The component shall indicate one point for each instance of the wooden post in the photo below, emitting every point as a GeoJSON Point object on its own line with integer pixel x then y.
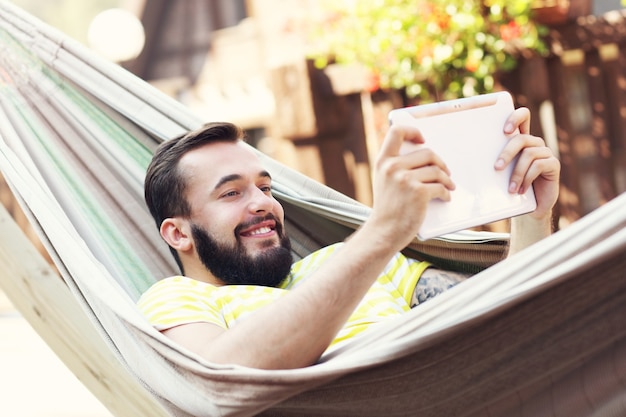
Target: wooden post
{"type": "Point", "coordinates": [615, 68]}
{"type": "Point", "coordinates": [569, 197]}
{"type": "Point", "coordinates": [600, 152]}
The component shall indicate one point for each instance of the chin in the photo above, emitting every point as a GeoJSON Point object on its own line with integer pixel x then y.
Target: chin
{"type": "Point", "coordinates": [266, 244]}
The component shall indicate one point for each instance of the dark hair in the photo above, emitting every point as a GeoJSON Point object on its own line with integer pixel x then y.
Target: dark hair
{"type": "Point", "coordinates": [165, 186]}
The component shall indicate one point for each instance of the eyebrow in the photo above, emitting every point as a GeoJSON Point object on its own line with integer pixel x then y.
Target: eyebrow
{"type": "Point", "coordinates": [235, 177]}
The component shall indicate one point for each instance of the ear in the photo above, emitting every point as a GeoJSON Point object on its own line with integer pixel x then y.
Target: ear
{"type": "Point", "coordinates": [175, 231]}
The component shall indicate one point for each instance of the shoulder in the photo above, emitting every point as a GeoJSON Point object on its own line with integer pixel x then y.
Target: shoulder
{"type": "Point", "coordinates": [179, 300]}
{"type": "Point", "coordinates": [175, 284]}
{"type": "Point", "coordinates": [176, 289]}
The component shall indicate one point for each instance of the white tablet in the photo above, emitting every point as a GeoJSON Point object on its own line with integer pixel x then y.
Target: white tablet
{"type": "Point", "coordinates": [468, 135]}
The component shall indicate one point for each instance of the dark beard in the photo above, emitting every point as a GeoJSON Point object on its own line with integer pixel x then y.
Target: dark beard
{"type": "Point", "coordinates": [234, 266]}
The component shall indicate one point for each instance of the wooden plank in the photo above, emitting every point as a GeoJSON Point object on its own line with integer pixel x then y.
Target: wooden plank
{"type": "Point", "coordinates": [557, 12]}
{"type": "Point", "coordinates": [569, 201]}
{"type": "Point", "coordinates": [599, 151]}
{"type": "Point", "coordinates": [530, 87]}
{"type": "Point", "coordinates": [550, 12]}
{"type": "Point", "coordinates": [47, 304]}
{"type": "Point", "coordinates": [615, 82]}
{"type": "Point", "coordinates": [579, 8]}
{"type": "Point", "coordinates": [306, 105]}
{"type": "Point", "coordinates": [295, 115]}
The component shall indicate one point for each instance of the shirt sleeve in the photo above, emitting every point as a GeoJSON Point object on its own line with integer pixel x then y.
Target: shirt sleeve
{"type": "Point", "coordinates": [404, 273]}
{"type": "Point", "coordinates": [178, 300]}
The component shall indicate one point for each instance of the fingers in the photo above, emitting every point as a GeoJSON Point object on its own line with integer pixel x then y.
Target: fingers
{"type": "Point", "coordinates": [514, 147]}
{"type": "Point", "coordinates": [407, 140]}
{"type": "Point", "coordinates": [534, 159]}
{"type": "Point", "coordinates": [396, 137]}
{"type": "Point", "coordinates": [417, 156]}
{"type": "Point", "coordinates": [533, 162]}
{"type": "Point", "coordinates": [421, 165]}
{"type": "Point", "coordinates": [402, 151]}
{"type": "Point", "coordinates": [428, 179]}
{"type": "Point", "coordinates": [409, 173]}
{"type": "Point", "coordinates": [520, 118]}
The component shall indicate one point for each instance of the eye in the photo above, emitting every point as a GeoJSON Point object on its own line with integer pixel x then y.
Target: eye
{"type": "Point", "coordinates": [232, 193]}
{"type": "Point", "coordinates": [267, 189]}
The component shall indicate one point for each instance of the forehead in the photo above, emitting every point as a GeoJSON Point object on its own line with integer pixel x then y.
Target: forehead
{"type": "Point", "coordinates": [211, 162]}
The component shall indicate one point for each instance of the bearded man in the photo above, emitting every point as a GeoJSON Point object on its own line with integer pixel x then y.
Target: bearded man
{"type": "Point", "coordinates": [239, 298]}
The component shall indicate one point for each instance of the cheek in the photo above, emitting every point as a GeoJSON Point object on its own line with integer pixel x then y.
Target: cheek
{"type": "Point", "coordinates": [219, 224]}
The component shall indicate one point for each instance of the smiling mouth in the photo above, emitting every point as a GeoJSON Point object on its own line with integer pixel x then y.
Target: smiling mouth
{"type": "Point", "coordinates": [262, 228]}
{"type": "Point", "coordinates": [260, 231]}
{"type": "Point", "coordinates": [266, 226]}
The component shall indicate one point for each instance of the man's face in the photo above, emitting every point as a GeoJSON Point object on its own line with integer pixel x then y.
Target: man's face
{"type": "Point", "coordinates": [236, 224]}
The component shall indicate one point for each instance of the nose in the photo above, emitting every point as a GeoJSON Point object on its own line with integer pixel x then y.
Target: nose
{"type": "Point", "coordinates": [259, 201]}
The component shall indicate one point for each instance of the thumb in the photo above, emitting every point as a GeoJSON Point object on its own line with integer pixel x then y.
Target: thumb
{"type": "Point", "coordinates": [396, 136]}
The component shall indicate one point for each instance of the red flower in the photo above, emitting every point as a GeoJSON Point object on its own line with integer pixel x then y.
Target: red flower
{"type": "Point", "coordinates": [510, 31]}
{"type": "Point", "coordinates": [372, 82]}
{"type": "Point", "coordinates": [471, 64]}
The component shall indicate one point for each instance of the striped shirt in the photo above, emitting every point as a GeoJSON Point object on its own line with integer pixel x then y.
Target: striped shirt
{"type": "Point", "coordinates": [180, 300]}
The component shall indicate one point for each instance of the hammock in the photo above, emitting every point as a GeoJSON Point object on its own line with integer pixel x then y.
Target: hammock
{"type": "Point", "coordinates": [540, 333]}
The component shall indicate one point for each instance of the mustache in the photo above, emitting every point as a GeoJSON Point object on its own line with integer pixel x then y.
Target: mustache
{"type": "Point", "coordinates": [260, 219]}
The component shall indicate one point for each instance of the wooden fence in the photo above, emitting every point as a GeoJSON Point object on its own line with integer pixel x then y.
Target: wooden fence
{"type": "Point", "coordinates": [584, 80]}
{"type": "Point", "coordinates": [577, 96]}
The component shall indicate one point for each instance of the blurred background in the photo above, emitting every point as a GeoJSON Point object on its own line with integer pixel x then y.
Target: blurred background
{"type": "Point", "coordinates": [312, 83]}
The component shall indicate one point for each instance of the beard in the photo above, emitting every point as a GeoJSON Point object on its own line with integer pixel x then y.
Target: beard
{"type": "Point", "coordinates": [234, 266]}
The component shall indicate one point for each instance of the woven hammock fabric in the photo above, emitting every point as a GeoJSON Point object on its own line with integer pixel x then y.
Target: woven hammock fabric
{"type": "Point", "coordinates": [538, 334]}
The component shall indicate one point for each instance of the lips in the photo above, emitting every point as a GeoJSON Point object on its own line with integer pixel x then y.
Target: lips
{"type": "Point", "coordinates": [262, 229]}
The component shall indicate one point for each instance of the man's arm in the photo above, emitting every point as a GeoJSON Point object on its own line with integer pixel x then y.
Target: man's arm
{"type": "Point", "coordinates": [527, 230]}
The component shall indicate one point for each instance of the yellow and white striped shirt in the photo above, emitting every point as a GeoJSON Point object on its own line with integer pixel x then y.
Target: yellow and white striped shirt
{"type": "Point", "coordinates": [180, 300]}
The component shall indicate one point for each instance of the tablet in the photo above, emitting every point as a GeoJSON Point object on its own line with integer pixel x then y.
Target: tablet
{"type": "Point", "coordinates": [468, 135]}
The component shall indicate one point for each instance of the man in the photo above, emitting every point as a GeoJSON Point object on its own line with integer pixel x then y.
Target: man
{"type": "Point", "coordinates": [239, 300]}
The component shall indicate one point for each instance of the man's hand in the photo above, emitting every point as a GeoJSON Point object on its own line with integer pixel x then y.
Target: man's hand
{"type": "Point", "coordinates": [536, 166]}
{"type": "Point", "coordinates": [404, 184]}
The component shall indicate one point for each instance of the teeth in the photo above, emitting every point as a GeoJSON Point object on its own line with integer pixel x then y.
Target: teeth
{"type": "Point", "coordinates": [261, 231]}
